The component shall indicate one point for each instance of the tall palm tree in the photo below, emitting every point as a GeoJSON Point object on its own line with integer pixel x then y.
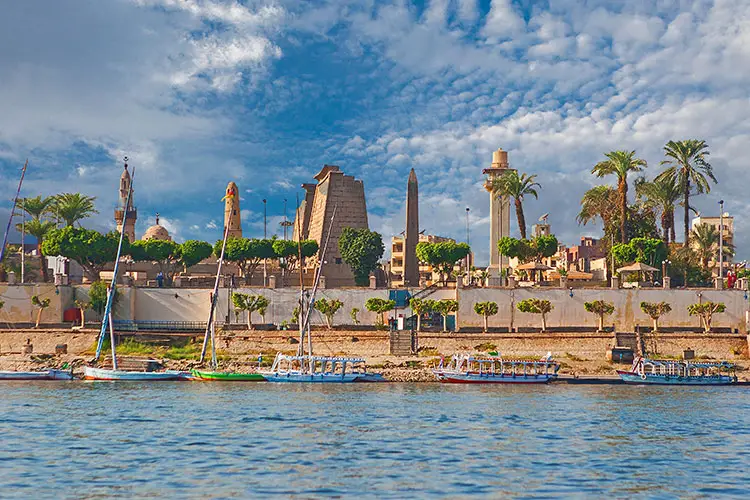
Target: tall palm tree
{"type": "Point", "coordinates": [706, 244]}
{"type": "Point", "coordinates": [688, 168]}
{"type": "Point", "coordinates": [38, 207]}
{"type": "Point", "coordinates": [517, 187]}
{"type": "Point", "coordinates": [620, 163]}
{"type": "Point", "coordinates": [72, 207]}
{"type": "Point", "coordinates": [38, 229]}
{"type": "Point", "coordinates": [599, 202]}
{"type": "Point", "coordinates": [661, 195]}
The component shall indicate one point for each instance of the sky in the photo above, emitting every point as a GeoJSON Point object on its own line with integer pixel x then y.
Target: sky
{"type": "Point", "coordinates": [198, 93]}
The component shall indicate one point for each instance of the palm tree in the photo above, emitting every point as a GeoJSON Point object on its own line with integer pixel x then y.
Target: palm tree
{"type": "Point", "coordinates": [706, 244]}
{"type": "Point", "coordinates": [661, 195]}
{"type": "Point", "coordinates": [38, 207]}
{"type": "Point", "coordinates": [620, 163]}
{"type": "Point", "coordinates": [517, 187]}
{"type": "Point", "coordinates": [72, 207]}
{"type": "Point", "coordinates": [688, 167]}
{"type": "Point", "coordinates": [38, 229]}
{"type": "Point", "coordinates": [598, 202]}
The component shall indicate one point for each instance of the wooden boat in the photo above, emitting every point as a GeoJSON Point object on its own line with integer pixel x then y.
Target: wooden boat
{"type": "Point", "coordinates": [469, 369]}
{"type": "Point", "coordinates": [306, 368]}
{"type": "Point", "coordinates": [52, 374]}
{"type": "Point", "coordinates": [675, 372]}
{"type": "Point", "coordinates": [91, 373]}
{"type": "Point", "coordinates": [218, 376]}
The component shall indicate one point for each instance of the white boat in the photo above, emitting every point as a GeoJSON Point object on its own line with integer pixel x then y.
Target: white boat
{"type": "Point", "coordinates": [91, 373]}
{"type": "Point", "coordinates": [52, 374]}
{"type": "Point", "coordinates": [469, 369]}
{"type": "Point", "coordinates": [675, 372]}
{"type": "Point", "coordinates": [307, 368]}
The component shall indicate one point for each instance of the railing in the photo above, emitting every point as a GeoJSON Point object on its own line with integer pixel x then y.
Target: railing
{"type": "Point", "coordinates": [159, 326]}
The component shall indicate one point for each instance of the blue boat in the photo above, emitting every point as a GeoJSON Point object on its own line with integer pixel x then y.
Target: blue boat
{"type": "Point", "coordinates": [320, 369]}
{"type": "Point", "coordinates": [646, 371]}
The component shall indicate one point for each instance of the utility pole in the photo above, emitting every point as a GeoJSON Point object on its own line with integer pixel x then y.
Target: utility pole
{"type": "Point", "coordinates": [286, 223]}
{"type": "Point", "coordinates": [721, 244]}
{"type": "Point", "coordinates": [23, 233]}
{"type": "Point", "coordinates": [265, 261]}
{"type": "Point", "coordinates": [468, 257]}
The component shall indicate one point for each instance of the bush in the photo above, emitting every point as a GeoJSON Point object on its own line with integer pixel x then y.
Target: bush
{"type": "Point", "coordinates": [536, 306]}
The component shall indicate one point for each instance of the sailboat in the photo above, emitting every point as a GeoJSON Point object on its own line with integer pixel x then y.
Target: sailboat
{"type": "Point", "coordinates": [214, 375]}
{"type": "Point", "coordinates": [306, 367]}
{"type": "Point", "coordinates": [94, 373]}
{"type": "Point", "coordinates": [49, 374]}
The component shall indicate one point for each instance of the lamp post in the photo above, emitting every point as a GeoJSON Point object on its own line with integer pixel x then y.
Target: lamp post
{"type": "Point", "coordinates": [721, 244]}
{"type": "Point", "coordinates": [265, 261]}
{"type": "Point", "coordinates": [468, 257]}
{"type": "Point", "coordinates": [23, 242]}
{"type": "Point", "coordinates": [665, 280]}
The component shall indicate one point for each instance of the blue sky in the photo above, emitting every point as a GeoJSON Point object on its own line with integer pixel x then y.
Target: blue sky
{"type": "Point", "coordinates": [201, 92]}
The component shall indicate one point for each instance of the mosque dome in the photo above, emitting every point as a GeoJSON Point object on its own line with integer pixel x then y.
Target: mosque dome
{"type": "Point", "coordinates": [157, 232]}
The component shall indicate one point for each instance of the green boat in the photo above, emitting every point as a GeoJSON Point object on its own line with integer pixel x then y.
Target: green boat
{"type": "Point", "coordinates": [213, 376]}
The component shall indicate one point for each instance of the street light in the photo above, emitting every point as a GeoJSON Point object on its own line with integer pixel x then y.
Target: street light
{"type": "Point", "coordinates": [468, 258]}
{"type": "Point", "coordinates": [265, 226]}
{"type": "Point", "coordinates": [721, 243]}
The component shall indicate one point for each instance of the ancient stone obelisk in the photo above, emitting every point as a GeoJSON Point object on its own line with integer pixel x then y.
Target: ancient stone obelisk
{"type": "Point", "coordinates": [411, 235]}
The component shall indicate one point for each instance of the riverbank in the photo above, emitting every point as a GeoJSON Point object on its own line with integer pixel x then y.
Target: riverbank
{"type": "Point", "coordinates": [582, 356]}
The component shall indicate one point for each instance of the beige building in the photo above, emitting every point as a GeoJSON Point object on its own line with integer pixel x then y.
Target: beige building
{"type": "Point", "coordinates": [427, 276]}
{"type": "Point", "coordinates": [315, 220]}
{"type": "Point", "coordinates": [499, 210]}
{"type": "Point", "coordinates": [126, 213]}
{"type": "Point", "coordinates": [728, 235]}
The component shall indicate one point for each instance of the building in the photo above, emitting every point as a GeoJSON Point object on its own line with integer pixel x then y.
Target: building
{"type": "Point", "coordinates": [232, 211]}
{"type": "Point", "coordinates": [499, 211]}
{"type": "Point", "coordinates": [335, 202]}
{"type": "Point", "coordinates": [580, 257]}
{"type": "Point", "coordinates": [125, 212]}
{"type": "Point", "coordinates": [157, 232]}
{"type": "Point", "coordinates": [728, 237]}
{"type": "Point", "coordinates": [427, 276]}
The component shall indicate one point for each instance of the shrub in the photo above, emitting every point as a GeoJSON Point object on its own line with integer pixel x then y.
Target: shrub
{"type": "Point", "coordinates": [486, 309]}
{"type": "Point", "coordinates": [601, 309]}
{"type": "Point", "coordinates": [328, 308]}
{"type": "Point", "coordinates": [420, 307]}
{"type": "Point", "coordinates": [706, 311]}
{"type": "Point", "coordinates": [445, 307]}
{"type": "Point", "coordinates": [656, 310]}
{"type": "Point", "coordinates": [537, 306]}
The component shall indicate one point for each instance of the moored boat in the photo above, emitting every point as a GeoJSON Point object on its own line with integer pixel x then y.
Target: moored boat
{"type": "Point", "coordinates": [675, 372]}
{"type": "Point", "coordinates": [92, 373]}
{"type": "Point", "coordinates": [470, 369]}
{"type": "Point", "coordinates": [218, 376]}
{"type": "Point", "coordinates": [307, 368]}
{"type": "Point", "coordinates": [52, 374]}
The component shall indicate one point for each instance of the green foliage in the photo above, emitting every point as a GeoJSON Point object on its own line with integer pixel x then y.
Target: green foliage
{"type": "Point", "coordinates": [194, 251]}
{"type": "Point", "coordinates": [544, 246]}
{"type": "Point", "coordinates": [486, 308]}
{"type": "Point", "coordinates": [328, 308]}
{"type": "Point", "coordinates": [655, 310]}
{"type": "Point", "coordinates": [442, 256]}
{"type": "Point", "coordinates": [706, 310]}
{"type": "Point", "coordinates": [98, 296]}
{"type": "Point", "coordinates": [91, 249]}
{"type": "Point", "coordinates": [535, 306]}
{"type": "Point", "coordinates": [526, 250]}
{"type": "Point", "coordinates": [247, 253]}
{"type": "Point", "coordinates": [353, 314]}
{"type": "Point", "coordinates": [165, 253]}
{"type": "Point", "coordinates": [289, 251]}
{"type": "Point", "coordinates": [40, 303]}
{"type": "Point", "coordinates": [650, 251]}
{"type": "Point", "coordinates": [445, 307]}
{"type": "Point", "coordinates": [73, 207]}
{"type": "Point", "coordinates": [295, 315]}
{"type": "Point", "coordinates": [250, 303]}
{"type": "Point", "coordinates": [378, 305]}
{"type": "Point", "coordinates": [421, 306]}
{"type": "Point", "coordinates": [2, 304]}
{"type": "Point", "coordinates": [599, 307]}
{"type": "Point", "coordinates": [361, 249]}
{"type": "Point", "coordinates": [517, 186]}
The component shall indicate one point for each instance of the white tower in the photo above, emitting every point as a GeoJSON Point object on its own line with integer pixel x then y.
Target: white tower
{"type": "Point", "coordinates": [499, 211]}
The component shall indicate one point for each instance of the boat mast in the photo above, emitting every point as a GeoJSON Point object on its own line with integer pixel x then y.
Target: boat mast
{"type": "Point", "coordinates": [107, 318]}
{"type": "Point", "coordinates": [210, 331]}
{"type": "Point", "coordinates": [12, 211]}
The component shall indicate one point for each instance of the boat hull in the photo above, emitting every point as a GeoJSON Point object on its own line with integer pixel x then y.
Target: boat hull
{"type": "Point", "coordinates": [91, 373]}
{"type": "Point", "coordinates": [209, 376]}
{"type": "Point", "coordinates": [471, 378]}
{"type": "Point", "coordinates": [48, 375]}
{"type": "Point", "coordinates": [320, 378]}
{"type": "Point", "coordinates": [655, 379]}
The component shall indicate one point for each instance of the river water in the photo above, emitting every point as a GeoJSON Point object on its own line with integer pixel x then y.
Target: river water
{"type": "Point", "coordinates": [204, 440]}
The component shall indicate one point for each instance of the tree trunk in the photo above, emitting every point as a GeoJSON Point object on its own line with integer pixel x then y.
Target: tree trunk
{"type": "Point", "coordinates": [623, 189]}
{"type": "Point", "coordinates": [686, 195]}
{"type": "Point", "coordinates": [665, 226]}
{"type": "Point", "coordinates": [329, 322]}
{"type": "Point", "coordinates": [38, 317]}
{"type": "Point", "coordinates": [544, 322]}
{"type": "Point", "coordinates": [707, 322]}
{"type": "Point", "coordinates": [83, 317]}
{"type": "Point", "coordinates": [419, 322]}
{"type": "Point", "coordinates": [445, 322]}
{"type": "Point", "coordinates": [42, 261]}
{"type": "Point", "coordinates": [521, 218]}
{"type": "Point", "coordinates": [656, 324]}
{"type": "Point", "coordinates": [250, 320]}
{"type": "Point", "coordinates": [672, 230]}
{"type": "Point", "coordinates": [485, 323]}
{"type": "Point", "coordinates": [601, 322]}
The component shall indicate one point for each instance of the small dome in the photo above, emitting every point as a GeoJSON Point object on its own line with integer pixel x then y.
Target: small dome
{"type": "Point", "coordinates": [157, 232]}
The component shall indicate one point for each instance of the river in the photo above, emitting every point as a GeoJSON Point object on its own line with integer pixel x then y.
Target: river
{"type": "Point", "coordinates": [205, 440]}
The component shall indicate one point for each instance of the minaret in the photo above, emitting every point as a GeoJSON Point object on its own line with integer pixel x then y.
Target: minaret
{"type": "Point", "coordinates": [411, 235]}
{"type": "Point", "coordinates": [499, 210]}
{"type": "Point", "coordinates": [232, 211]}
{"type": "Point", "coordinates": [128, 213]}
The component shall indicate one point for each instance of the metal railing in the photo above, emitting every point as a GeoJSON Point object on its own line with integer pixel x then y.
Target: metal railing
{"type": "Point", "coordinates": [159, 326]}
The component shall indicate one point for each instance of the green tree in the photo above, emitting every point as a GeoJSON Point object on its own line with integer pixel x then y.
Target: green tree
{"type": "Point", "coordinates": [517, 186]}
{"type": "Point", "coordinates": [41, 305]}
{"type": "Point", "coordinates": [247, 254]}
{"type": "Point", "coordinates": [98, 296]}
{"type": "Point", "coordinates": [442, 256]}
{"type": "Point", "coordinates": [380, 306]}
{"type": "Point", "coordinates": [651, 251]}
{"type": "Point", "coordinates": [486, 309]}
{"type": "Point", "coordinates": [194, 251]}
{"type": "Point", "coordinates": [353, 314]}
{"type": "Point", "coordinates": [288, 252]}
{"type": "Point", "coordinates": [39, 229]}
{"type": "Point", "coordinates": [620, 164]}
{"type": "Point", "coordinates": [166, 254]}
{"type": "Point", "coordinates": [91, 249]}
{"type": "Point", "coordinates": [601, 308]}
{"type": "Point", "coordinates": [544, 246]}
{"type": "Point", "coordinates": [656, 310]}
{"type": "Point", "coordinates": [445, 307]}
{"type": "Point", "coordinates": [328, 308]}
{"type": "Point", "coordinates": [536, 306]}
{"type": "Point", "coordinates": [661, 195]}
{"type": "Point", "coordinates": [689, 169]}
{"type": "Point", "coordinates": [73, 207]}
{"type": "Point", "coordinates": [361, 249]}
{"type": "Point", "coordinates": [599, 202]}
{"type": "Point", "coordinates": [82, 306]}
{"type": "Point", "coordinates": [420, 307]}
{"type": "Point", "coordinates": [250, 303]}
{"type": "Point", "coordinates": [706, 244]}
{"type": "Point", "coordinates": [514, 248]}
{"type": "Point", "coordinates": [706, 311]}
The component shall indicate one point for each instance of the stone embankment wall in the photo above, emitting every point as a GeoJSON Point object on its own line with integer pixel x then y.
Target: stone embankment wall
{"type": "Point", "coordinates": [19, 309]}
{"type": "Point", "coordinates": [569, 311]}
